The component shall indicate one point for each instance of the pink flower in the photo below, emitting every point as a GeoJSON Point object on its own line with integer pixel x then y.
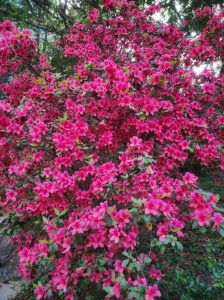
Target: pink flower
{"type": "Point", "coordinates": [156, 273]}
{"type": "Point", "coordinates": [118, 266]}
{"type": "Point", "coordinates": [60, 282]}
{"type": "Point", "coordinates": [40, 292]}
{"type": "Point", "coordinates": [190, 178]}
{"type": "Point", "coordinates": [26, 255]}
{"type": "Point", "coordinates": [152, 292]}
{"type": "Point", "coordinates": [96, 240]}
{"type": "Point", "coordinates": [152, 206]}
{"type": "Point", "coordinates": [70, 296]}
{"type": "Point", "coordinates": [202, 12]}
{"type": "Point", "coordinates": [108, 4]}
{"type": "Point", "coordinates": [66, 244]}
{"type": "Point", "coordinates": [157, 77]}
{"type": "Point", "coordinates": [11, 195]}
{"type": "Point", "coordinates": [94, 15]}
{"type": "Point", "coordinates": [152, 9]}
{"type": "Point", "coordinates": [129, 241]}
{"type": "Point", "coordinates": [116, 290]}
{"type": "Point", "coordinates": [140, 281]}
{"type": "Point", "coordinates": [77, 227]}
{"type": "Point", "coordinates": [209, 88]}
{"type": "Point", "coordinates": [136, 142]}
{"type": "Point", "coordinates": [162, 231]}
{"type": "Point", "coordinates": [218, 219]}
{"type": "Point", "coordinates": [114, 235]}
{"type": "Point", "coordinates": [202, 217]}
{"type": "Point", "coordinates": [122, 217]}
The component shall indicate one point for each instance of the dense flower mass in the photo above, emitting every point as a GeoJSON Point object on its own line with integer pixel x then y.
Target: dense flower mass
{"type": "Point", "coordinates": [95, 183]}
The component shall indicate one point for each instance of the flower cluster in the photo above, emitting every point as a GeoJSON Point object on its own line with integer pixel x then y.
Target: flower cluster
{"type": "Point", "coordinates": [95, 181]}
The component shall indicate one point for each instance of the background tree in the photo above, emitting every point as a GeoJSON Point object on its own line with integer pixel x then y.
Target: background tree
{"type": "Point", "coordinates": [51, 19]}
{"type": "Point", "coordinates": [56, 16]}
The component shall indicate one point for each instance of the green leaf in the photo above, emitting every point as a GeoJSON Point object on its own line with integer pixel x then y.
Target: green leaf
{"type": "Point", "coordinates": [134, 211]}
{"type": "Point", "coordinates": [162, 249]}
{"type": "Point", "coordinates": [113, 277]}
{"type": "Point", "coordinates": [37, 222]}
{"type": "Point", "coordinates": [147, 260]}
{"type": "Point", "coordinates": [125, 253]}
{"type": "Point", "coordinates": [108, 220]}
{"type": "Point", "coordinates": [58, 76]}
{"type": "Point", "coordinates": [194, 225]}
{"type": "Point", "coordinates": [57, 212]}
{"type": "Point", "coordinates": [203, 230]}
{"type": "Point", "coordinates": [147, 218]}
{"type": "Point", "coordinates": [51, 267]}
{"type": "Point", "coordinates": [53, 247]}
{"type": "Point", "coordinates": [108, 289]}
{"type": "Point", "coordinates": [131, 266]}
{"type": "Point", "coordinates": [63, 212]}
{"type": "Point", "coordinates": [131, 295]}
{"type": "Point", "coordinates": [167, 241]}
{"type": "Point", "coordinates": [191, 149]}
{"type": "Point", "coordinates": [125, 262]}
{"type": "Point", "coordinates": [141, 289]}
{"type": "Point", "coordinates": [179, 246]}
{"type": "Point", "coordinates": [221, 231]}
{"type": "Point", "coordinates": [102, 262]}
{"type": "Point", "coordinates": [220, 148]}
{"type": "Point", "coordinates": [137, 267]}
{"type": "Point", "coordinates": [162, 79]}
{"type": "Point", "coordinates": [124, 285]}
{"type": "Point", "coordinates": [63, 119]}
{"type": "Point", "coordinates": [139, 296]}
{"type": "Point", "coordinates": [43, 241]}
{"type": "Point", "coordinates": [221, 209]}
{"type": "Point", "coordinates": [88, 66]}
{"type": "Point", "coordinates": [119, 279]}
{"type": "Point", "coordinates": [49, 294]}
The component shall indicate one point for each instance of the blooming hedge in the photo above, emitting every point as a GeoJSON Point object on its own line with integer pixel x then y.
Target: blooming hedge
{"type": "Point", "coordinates": [95, 184]}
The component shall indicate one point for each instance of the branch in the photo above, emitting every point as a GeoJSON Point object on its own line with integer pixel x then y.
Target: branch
{"type": "Point", "coordinates": [176, 11]}
{"type": "Point", "coordinates": [75, 7]}
{"type": "Point", "coordinates": [30, 6]}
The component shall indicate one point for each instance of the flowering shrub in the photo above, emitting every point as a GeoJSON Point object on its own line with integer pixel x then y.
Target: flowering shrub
{"type": "Point", "coordinates": [95, 187]}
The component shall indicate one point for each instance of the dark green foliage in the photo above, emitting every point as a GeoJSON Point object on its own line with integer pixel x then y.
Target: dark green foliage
{"type": "Point", "coordinates": [202, 278]}
{"type": "Point", "coordinates": [26, 292]}
{"type": "Point", "coordinates": [209, 182]}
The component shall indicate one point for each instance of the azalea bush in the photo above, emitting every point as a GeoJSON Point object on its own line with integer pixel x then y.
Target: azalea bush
{"type": "Point", "coordinates": [96, 187]}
